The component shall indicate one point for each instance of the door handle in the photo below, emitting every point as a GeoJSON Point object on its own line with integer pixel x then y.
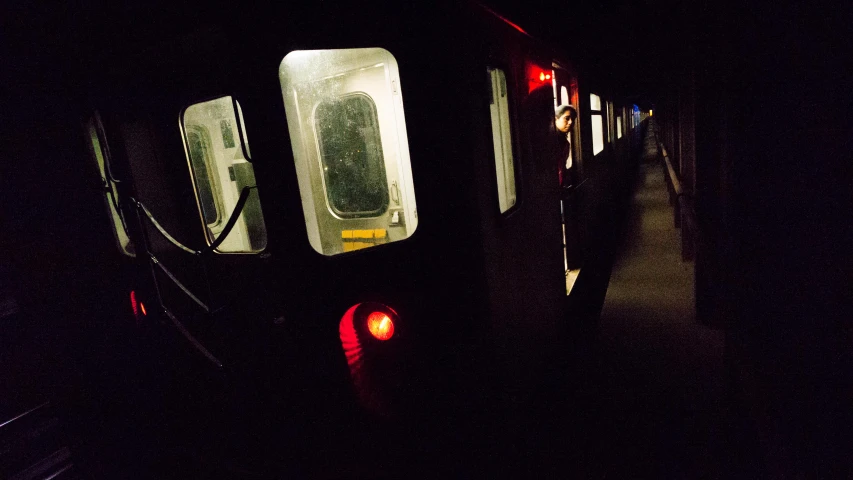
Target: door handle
{"type": "Point", "coordinates": [395, 193]}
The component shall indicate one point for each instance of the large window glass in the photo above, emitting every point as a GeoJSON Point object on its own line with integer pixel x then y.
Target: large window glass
{"type": "Point", "coordinates": [502, 139]}
{"type": "Point", "coordinates": [218, 156]}
{"type": "Point", "coordinates": [98, 149]}
{"type": "Point", "coordinates": [345, 118]}
{"type": "Point", "coordinates": [597, 123]}
{"type": "Point", "coordinates": [351, 156]}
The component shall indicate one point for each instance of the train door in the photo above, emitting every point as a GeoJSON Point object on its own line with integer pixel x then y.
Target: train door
{"type": "Point", "coordinates": [565, 93]}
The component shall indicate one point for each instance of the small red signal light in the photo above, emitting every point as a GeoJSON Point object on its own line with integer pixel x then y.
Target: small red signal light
{"type": "Point", "coordinates": [380, 325]}
{"type": "Point", "coordinates": [548, 77]}
{"type": "Point", "coordinates": [541, 76]}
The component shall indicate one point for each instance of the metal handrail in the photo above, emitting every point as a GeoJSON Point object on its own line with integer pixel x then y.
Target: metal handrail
{"type": "Point", "coordinates": [683, 201]}
{"type": "Point", "coordinates": [676, 185]}
{"type": "Point", "coordinates": [229, 225]}
{"type": "Point", "coordinates": [22, 415]}
{"type": "Point", "coordinates": [673, 178]}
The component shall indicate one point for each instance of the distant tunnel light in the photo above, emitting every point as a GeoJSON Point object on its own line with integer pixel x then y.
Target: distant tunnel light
{"type": "Point", "coordinates": [142, 308]}
{"type": "Point", "coordinates": [380, 325]}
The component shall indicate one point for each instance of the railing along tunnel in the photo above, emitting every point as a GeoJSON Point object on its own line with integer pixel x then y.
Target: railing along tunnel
{"type": "Point", "coordinates": [684, 212]}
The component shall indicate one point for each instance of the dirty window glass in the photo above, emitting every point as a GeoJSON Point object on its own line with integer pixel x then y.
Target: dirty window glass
{"type": "Point", "coordinates": [351, 155]}
{"type": "Point", "coordinates": [201, 156]}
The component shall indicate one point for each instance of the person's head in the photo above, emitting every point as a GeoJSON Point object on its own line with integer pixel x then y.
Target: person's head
{"type": "Point", "coordinates": [564, 117]}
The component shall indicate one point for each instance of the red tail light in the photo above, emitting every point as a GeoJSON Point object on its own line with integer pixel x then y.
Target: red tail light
{"type": "Point", "coordinates": [366, 332]}
{"type": "Point", "coordinates": [380, 325]}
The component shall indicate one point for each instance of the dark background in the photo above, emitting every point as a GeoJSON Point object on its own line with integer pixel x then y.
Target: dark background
{"type": "Point", "coordinates": [774, 96]}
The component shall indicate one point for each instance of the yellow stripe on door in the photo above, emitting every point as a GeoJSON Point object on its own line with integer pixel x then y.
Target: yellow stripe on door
{"type": "Point", "coordinates": [373, 233]}
{"type": "Point", "coordinates": [357, 239]}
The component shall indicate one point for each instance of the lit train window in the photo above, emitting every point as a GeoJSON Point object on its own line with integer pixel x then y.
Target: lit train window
{"type": "Point", "coordinates": [502, 139]}
{"type": "Point", "coordinates": [564, 96]}
{"type": "Point", "coordinates": [206, 183]}
{"type": "Point", "coordinates": [348, 133]}
{"type": "Point", "coordinates": [98, 148]}
{"type": "Point", "coordinates": [611, 126]}
{"type": "Point", "coordinates": [597, 124]}
{"type": "Point", "coordinates": [618, 127]}
{"type": "Point", "coordinates": [218, 156]}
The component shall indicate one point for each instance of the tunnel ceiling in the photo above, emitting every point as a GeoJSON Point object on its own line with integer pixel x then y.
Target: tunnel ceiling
{"type": "Point", "coordinates": [632, 45]}
{"type": "Point", "coordinates": [635, 45]}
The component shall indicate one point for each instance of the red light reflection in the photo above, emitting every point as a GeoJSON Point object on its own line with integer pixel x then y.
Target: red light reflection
{"type": "Point", "coordinates": [134, 304]}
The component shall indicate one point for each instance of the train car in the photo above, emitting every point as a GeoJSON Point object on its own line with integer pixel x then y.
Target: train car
{"type": "Point", "coordinates": [340, 245]}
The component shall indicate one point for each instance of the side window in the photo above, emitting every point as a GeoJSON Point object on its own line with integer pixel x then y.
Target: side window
{"type": "Point", "coordinates": [98, 147]}
{"type": "Point", "coordinates": [345, 118]}
{"type": "Point", "coordinates": [218, 156]}
{"type": "Point", "coordinates": [618, 127]}
{"type": "Point", "coordinates": [564, 96]}
{"type": "Point", "coordinates": [502, 139]}
{"type": "Point", "coordinates": [610, 123]}
{"type": "Point", "coordinates": [597, 123]}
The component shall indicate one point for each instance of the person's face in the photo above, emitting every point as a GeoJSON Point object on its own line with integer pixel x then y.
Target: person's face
{"type": "Point", "coordinates": [564, 122]}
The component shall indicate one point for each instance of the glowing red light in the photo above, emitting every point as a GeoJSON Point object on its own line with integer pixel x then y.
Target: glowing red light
{"type": "Point", "coordinates": [142, 307]}
{"type": "Point", "coordinates": [133, 303]}
{"type": "Point", "coordinates": [361, 350]}
{"type": "Point", "coordinates": [548, 77]}
{"type": "Point", "coordinates": [541, 76]}
{"type": "Point", "coordinates": [380, 325]}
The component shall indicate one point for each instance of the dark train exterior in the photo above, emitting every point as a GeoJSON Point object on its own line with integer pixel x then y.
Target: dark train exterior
{"type": "Point", "coordinates": [255, 359]}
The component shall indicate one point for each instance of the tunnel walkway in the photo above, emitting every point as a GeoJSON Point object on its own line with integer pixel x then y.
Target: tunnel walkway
{"type": "Point", "coordinates": [659, 374]}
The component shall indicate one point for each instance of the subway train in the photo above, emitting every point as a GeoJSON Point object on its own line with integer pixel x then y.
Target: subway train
{"type": "Point", "coordinates": [322, 244]}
